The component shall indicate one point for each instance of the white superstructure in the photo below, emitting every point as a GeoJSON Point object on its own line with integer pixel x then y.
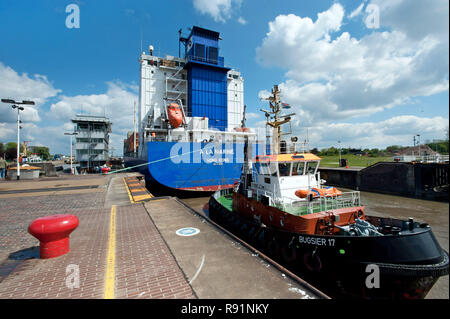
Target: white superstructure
{"type": "Point", "coordinates": [235, 84]}
{"type": "Point", "coordinates": [164, 80]}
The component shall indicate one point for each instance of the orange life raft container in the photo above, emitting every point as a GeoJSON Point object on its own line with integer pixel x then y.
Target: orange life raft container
{"type": "Point", "coordinates": [318, 192]}
{"type": "Point", "coordinates": [175, 116]}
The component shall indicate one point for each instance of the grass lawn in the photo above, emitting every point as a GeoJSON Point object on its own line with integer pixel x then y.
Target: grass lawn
{"type": "Point", "coordinates": [353, 160]}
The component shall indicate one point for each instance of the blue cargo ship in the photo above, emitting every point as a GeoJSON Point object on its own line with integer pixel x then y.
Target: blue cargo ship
{"type": "Point", "coordinates": [191, 117]}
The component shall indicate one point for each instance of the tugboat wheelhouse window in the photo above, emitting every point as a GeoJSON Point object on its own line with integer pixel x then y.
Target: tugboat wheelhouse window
{"type": "Point", "coordinates": [285, 169]}
{"type": "Point", "coordinates": [311, 167]}
{"type": "Point", "coordinates": [298, 168]}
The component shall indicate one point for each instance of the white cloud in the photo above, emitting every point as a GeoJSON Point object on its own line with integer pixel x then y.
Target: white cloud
{"type": "Point", "coordinates": [116, 103]}
{"type": "Point", "coordinates": [50, 136]}
{"type": "Point", "coordinates": [417, 19]}
{"type": "Point", "coordinates": [19, 87]}
{"type": "Point", "coordinates": [252, 115]}
{"type": "Point", "coordinates": [219, 10]}
{"type": "Point", "coordinates": [6, 131]}
{"type": "Point", "coordinates": [242, 21]}
{"type": "Point", "coordinates": [263, 94]}
{"type": "Point", "coordinates": [334, 76]}
{"type": "Point", "coordinates": [397, 130]}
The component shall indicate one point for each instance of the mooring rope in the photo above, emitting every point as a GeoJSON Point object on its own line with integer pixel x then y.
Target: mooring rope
{"type": "Point", "coordinates": [151, 162]}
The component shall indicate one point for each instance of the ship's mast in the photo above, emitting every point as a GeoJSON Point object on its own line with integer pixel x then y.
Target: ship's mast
{"type": "Point", "coordinates": [274, 119]}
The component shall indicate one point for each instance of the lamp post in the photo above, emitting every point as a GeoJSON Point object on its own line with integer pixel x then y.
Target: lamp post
{"type": "Point", "coordinates": [418, 142]}
{"type": "Point", "coordinates": [339, 153]}
{"type": "Point", "coordinates": [71, 145]}
{"type": "Point", "coordinates": [134, 145]}
{"type": "Point", "coordinates": [16, 105]}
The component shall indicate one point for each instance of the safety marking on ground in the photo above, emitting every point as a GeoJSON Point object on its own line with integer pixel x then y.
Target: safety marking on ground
{"type": "Point", "coordinates": [128, 191]}
{"type": "Point", "coordinates": [187, 231]}
{"type": "Point", "coordinates": [135, 185]}
{"type": "Point", "coordinates": [198, 270]}
{"type": "Point", "coordinates": [111, 259]}
{"type": "Point", "coordinates": [136, 191]}
{"type": "Point", "coordinates": [139, 198]}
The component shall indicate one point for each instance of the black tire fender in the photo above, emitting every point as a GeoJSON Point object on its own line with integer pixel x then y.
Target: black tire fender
{"type": "Point", "coordinates": [312, 261]}
{"type": "Point", "coordinates": [289, 253]}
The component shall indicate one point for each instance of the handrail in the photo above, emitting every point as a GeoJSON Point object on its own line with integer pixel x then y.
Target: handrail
{"type": "Point", "coordinates": [346, 199]}
{"type": "Point", "coordinates": [323, 203]}
{"type": "Point", "coordinates": [423, 159]}
{"type": "Point", "coordinates": [288, 204]}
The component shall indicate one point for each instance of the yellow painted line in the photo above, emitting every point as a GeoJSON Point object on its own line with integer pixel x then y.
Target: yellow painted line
{"type": "Point", "coordinates": [111, 259]}
{"type": "Point", "coordinates": [128, 191]}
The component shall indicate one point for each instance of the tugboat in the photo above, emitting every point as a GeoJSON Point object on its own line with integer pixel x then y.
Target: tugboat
{"type": "Point", "coordinates": [282, 207]}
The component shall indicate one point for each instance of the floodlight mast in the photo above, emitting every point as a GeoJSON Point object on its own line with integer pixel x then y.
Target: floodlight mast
{"type": "Point", "coordinates": [15, 105]}
{"type": "Point", "coordinates": [71, 146]}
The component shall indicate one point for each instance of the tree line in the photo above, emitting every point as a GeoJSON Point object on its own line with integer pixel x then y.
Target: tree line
{"type": "Point", "coordinates": [9, 151]}
{"type": "Point", "coordinates": [442, 147]}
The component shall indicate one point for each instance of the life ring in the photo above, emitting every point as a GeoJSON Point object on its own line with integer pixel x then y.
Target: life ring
{"type": "Point", "coordinates": [312, 262]}
{"type": "Point", "coordinates": [289, 254]}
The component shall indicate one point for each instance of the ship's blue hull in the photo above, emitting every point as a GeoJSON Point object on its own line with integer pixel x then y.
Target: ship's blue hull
{"type": "Point", "coordinates": [193, 166]}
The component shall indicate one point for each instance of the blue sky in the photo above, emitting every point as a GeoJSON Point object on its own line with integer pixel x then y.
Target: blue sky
{"type": "Point", "coordinates": [366, 86]}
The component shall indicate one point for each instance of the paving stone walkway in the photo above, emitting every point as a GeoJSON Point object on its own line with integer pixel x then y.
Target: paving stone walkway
{"type": "Point", "coordinates": [144, 266]}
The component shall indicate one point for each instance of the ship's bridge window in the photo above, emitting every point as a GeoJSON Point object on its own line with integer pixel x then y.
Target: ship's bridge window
{"type": "Point", "coordinates": [285, 169]}
{"type": "Point", "coordinates": [298, 168]}
{"type": "Point", "coordinates": [266, 168]}
{"type": "Point", "coordinates": [311, 167]}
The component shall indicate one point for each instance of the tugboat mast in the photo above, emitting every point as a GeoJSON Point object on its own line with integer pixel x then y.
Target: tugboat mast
{"type": "Point", "coordinates": [274, 119]}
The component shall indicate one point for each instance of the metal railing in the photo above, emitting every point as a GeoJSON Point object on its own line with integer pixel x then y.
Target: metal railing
{"type": "Point", "coordinates": [300, 207]}
{"type": "Point", "coordinates": [297, 206]}
{"type": "Point", "coordinates": [219, 61]}
{"type": "Point", "coordinates": [422, 159]}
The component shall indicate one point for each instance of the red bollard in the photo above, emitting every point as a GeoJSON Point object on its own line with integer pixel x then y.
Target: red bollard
{"type": "Point", "coordinates": [53, 233]}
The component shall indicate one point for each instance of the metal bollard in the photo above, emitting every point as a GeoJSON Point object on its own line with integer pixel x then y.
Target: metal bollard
{"type": "Point", "coordinates": [53, 233]}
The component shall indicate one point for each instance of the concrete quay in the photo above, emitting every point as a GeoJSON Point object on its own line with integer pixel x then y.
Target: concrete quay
{"type": "Point", "coordinates": [127, 246]}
